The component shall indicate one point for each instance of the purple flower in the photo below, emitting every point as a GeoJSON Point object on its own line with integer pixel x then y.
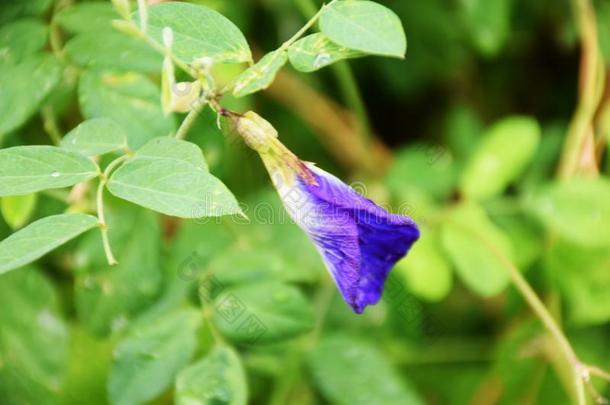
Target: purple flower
{"type": "Point", "coordinates": [359, 241]}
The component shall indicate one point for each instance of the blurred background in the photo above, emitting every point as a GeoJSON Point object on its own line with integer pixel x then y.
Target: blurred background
{"type": "Point", "coordinates": [469, 128]}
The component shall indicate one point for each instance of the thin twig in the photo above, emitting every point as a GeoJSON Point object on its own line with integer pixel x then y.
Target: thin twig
{"type": "Point", "coordinates": [191, 117]}
{"type": "Point", "coordinates": [579, 370]}
{"type": "Point", "coordinates": [598, 372]}
{"type": "Point", "coordinates": [101, 217]}
{"type": "Point", "coordinates": [347, 84]}
{"type": "Point", "coordinates": [49, 122]}
{"type": "Point", "coordinates": [581, 127]}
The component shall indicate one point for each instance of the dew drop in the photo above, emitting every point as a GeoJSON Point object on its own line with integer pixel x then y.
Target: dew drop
{"type": "Point", "coordinates": [321, 59]}
{"type": "Point", "coordinates": [54, 173]}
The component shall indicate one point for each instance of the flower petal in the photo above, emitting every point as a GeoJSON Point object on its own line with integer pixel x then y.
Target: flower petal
{"type": "Point", "coordinates": [359, 241]}
{"type": "Point", "coordinates": [334, 232]}
{"type": "Point", "coordinates": [383, 238]}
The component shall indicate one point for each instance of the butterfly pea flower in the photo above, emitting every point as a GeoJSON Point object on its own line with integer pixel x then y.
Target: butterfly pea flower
{"type": "Point", "coordinates": [358, 240]}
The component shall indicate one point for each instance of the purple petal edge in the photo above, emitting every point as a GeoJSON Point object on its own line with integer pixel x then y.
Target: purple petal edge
{"type": "Point", "coordinates": [360, 241]}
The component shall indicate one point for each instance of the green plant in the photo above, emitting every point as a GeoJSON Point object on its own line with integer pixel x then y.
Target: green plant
{"type": "Point", "coordinates": [219, 307]}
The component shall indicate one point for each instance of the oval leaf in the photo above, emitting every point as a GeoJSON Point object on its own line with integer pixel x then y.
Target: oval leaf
{"type": "Point", "coordinates": [488, 22]}
{"type": "Point", "coordinates": [351, 371]}
{"type": "Point", "coordinates": [578, 209]}
{"type": "Point", "coordinates": [27, 169]}
{"type": "Point", "coordinates": [317, 51]}
{"type": "Point", "coordinates": [501, 156]}
{"type": "Point", "coordinates": [113, 50]}
{"type": "Point", "coordinates": [22, 37]}
{"type": "Point", "coordinates": [40, 237]}
{"type": "Point", "coordinates": [262, 313]}
{"type": "Point", "coordinates": [169, 182]}
{"type": "Point", "coordinates": [130, 99]}
{"type": "Point", "coordinates": [217, 378]}
{"type": "Point", "coordinates": [95, 137]}
{"type": "Point", "coordinates": [170, 148]}
{"type": "Point", "coordinates": [24, 86]}
{"type": "Point", "coordinates": [17, 210]}
{"type": "Point", "coordinates": [261, 75]}
{"type": "Point", "coordinates": [147, 360]}
{"type": "Point", "coordinates": [426, 271]}
{"type": "Point", "coordinates": [198, 32]}
{"type": "Point", "coordinates": [364, 26]}
{"type": "Point", "coordinates": [33, 339]}
{"type": "Point", "coordinates": [86, 17]}
{"type": "Point", "coordinates": [463, 237]}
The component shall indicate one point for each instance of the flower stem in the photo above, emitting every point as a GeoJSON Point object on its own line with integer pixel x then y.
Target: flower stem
{"type": "Point", "coordinates": [49, 122]}
{"type": "Point", "coordinates": [304, 29]}
{"type": "Point", "coordinates": [348, 87]}
{"type": "Point", "coordinates": [143, 13]}
{"type": "Point", "coordinates": [191, 117]}
{"type": "Point", "coordinates": [590, 86]}
{"type": "Point", "coordinates": [579, 370]}
{"type": "Point", "coordinates": [101, 217]}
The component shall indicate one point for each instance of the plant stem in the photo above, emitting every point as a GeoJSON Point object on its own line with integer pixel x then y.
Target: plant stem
{"type": "Point", "coordinates": [143, 13]}
{"type": "Point", "coordinates": [191, 117]}
{"type": "Point", "coordinates": [532, 299]}
{"type": "Point", "coordinates": [304, 29]}
{"type": "Point", "coordinates": [589, 90]}
{"type": "Point", "coordinates": [50, 124]}
{"type": "Point", "coordinates": [348, 86]}
{"type": "Point", "coordinates": [101, 217]}
{"type": "Point", "coordinates": [353, 98]}
{"type": "Point", "coordinates": [598, 372]}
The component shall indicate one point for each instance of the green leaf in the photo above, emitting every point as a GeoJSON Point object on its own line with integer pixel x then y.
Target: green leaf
{"type": "Point", "coordinates": [24, 86]}
{"type": "Point", "coordinates": [198, 32]}
{"type": "Point", "coordinates": [21, 38]}
{"type": "Point", "coordinates": [488, 22]}
{"type": "Point", "coordinates": [86, 17]}
{"type": "Point", "coordinates": [130, 99]}
{"type": "Point", "coordinates": [10, 11]}
{"type": "Point", "coordinates": [355, 372]}
{"type": "Point", "coordinates": [87, 368]}
{"type": "Point", "coordinates": [40, 237]}
{"type": "Point", "coordinates": [526, 239]}
{"type": "Point", "coordinates": [316, 51]}
{"type": "Point", "coordinates": [364, 26]}
{"type": "Point", "coordinates": [579, 210]}
{"type": "Point", "coordinates": [112, 50]}
{"type": "Point", "coordinates": [172, 184]}
{"type": "Point", "coordinates": [470, 238]}
{"type": "Point", "coordinates": [253, 264]}
{"type": "Point", "coordinates": [261, 75]}
{"type": "Point", "coordinates": [423, 167]}
{"type": "Point", "coordinates": [217, 378]}
{"type": "Point", "coordinates": [108, 298]}
{"type": "Point", "coordinates": [425, 269]}
{"type": "Point", "coordinates": [171, 148]}
{"type": "Point", "coordinates": [146, 362]}
{"type": "Point", "coordinates": [582, 276]}
{"type": "Point", "coordinates": [502, 155]}
{"type": "Point", "coordinates": [27, 169]}
{"type": "Point", "coordinates": [17, 210]}
{"type": "Point", "coordinates": [33, 339]}
{"type": "Point", "coordinates": [95, 137]}
{"type": "Point", "coordinates": [262, 313]}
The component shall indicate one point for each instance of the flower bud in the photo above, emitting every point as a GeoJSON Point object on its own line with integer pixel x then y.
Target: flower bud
{"type": "Point", "coordinates": [257, 132]}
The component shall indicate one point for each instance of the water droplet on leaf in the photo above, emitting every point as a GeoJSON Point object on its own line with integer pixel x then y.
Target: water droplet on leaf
{"type": "Point", "coordinates": [321, 59]}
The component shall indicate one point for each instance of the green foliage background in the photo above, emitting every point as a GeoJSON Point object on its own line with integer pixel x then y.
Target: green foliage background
{"type": "Point", "coordinates": [466, 135]}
